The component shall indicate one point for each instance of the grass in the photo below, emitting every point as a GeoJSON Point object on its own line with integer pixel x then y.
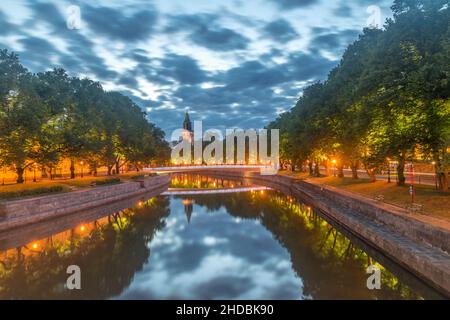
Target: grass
{"type": "Point", "coordinates": [436, 203]}
{"type": "Point", "coordinates": [13, 191]}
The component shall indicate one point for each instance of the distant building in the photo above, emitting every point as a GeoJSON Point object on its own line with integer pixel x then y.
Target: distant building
{"type": "Point", "coordinates": [188, 133]}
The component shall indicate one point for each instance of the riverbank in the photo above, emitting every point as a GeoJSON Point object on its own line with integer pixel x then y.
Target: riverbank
{"type": "Point", "coordinates": [428, 200]}
{"type": "Point", "coordinates": [18, 213]}
{"type": "Point", "coordinates": [418, 243]}
{"type": "Point", "coordinates": [12, 191]}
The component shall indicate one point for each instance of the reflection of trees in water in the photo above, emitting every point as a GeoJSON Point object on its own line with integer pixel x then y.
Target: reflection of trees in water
{"type": "Point", "coordinates": [108, 256]}
{"type": "Point", "coordinates": [328, 263]}
{"type": "Point", "coordinates": [197, 181]}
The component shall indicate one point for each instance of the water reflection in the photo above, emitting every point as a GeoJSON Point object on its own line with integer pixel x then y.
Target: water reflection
{"type": "Point", "coordinates": [254, 245]}
{"type": "Point", "coordinates": [109, 252]}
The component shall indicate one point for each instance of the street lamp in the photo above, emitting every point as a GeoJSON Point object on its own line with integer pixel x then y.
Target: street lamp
{"type": "Point", "coordinates": [389, 170]}
{"type": "Point", "coordinates": [411, 187]}
{"type": "Point", "coordinates": [82, 163]}
{"type": "Point", "coordinates": [435, 174]}
{"type": "Point", "coordinates": [334, 167]}
{"type": "Point", "coordinates": [34, 172]}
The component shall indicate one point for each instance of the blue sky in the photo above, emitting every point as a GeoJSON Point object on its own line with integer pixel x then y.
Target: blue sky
{"type": "Point", "coordinates": [231, 63]}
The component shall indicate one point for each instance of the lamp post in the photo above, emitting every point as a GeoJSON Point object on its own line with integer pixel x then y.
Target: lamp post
{"type": "Point", "coordinates": [411, 187]}
{"type": "Point", "coordinates": [435, 174]}
{"type": "Point", "coordinates": [82, 163]}
{"type": "Point", "coordinates": [334, 167]}
{"type": "Point", "coordinates": [389, 170]}
{"type": "Point", "coordinates": [34, 172]}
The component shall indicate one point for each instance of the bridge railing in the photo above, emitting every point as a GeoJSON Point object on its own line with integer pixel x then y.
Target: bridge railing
{"type": "Point", "coordinates": [200, 167]}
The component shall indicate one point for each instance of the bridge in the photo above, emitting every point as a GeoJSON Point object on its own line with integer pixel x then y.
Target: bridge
{"type": "Point", "coordinates": [190, 192]}
{"type": "Point", "coordinates": [207, 167]}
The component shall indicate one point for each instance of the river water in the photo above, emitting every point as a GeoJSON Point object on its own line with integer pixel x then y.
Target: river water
{"type": "Point", "coordinates": [254, 244]}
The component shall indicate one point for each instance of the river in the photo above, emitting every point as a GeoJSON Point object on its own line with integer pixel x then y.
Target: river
{"type": "Point", "coordinates": [240, 244]}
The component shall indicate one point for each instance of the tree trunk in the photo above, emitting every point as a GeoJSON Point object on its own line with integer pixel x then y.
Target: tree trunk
{"type": "Point", "coordinates": [109, 170]}
{"type": "Point", "coordinates": [355, 166]}
{"type": "Point", "coordinates": [44, 172]}
{"type": "Point", "coordinates": [316, 170]}
{"type": "Point", "coordinates": [117, 166]}
{"type": "Point", "coordinates": [311, 171]}
{"type": "Point", "coordinates": [20, 172]}
{"type": "Point", "coordinates": [72, 169]}
{"type": "Point", "coordinates": [372, 175]}
{"type": "Point", "coordinates": [401, 171]}
{"type": "Point", "coordinates": [340, 171]}
{"type": "Point", "coordinates": [443, 181]}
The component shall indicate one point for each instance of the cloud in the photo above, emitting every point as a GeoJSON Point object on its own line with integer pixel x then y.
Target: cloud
{"type": "Point", "coordinates": [5, 26]}
{"type": "Point", "coordinates": [183, 69]}
{"type": "Point", "coordinates": [206, 32]}
{"type": "Point", "coordinates": [294, 4]}
{"type": "Point", "coordinates": [37, 52]}
{"type": "Point", "coordinates": [343, 10]}
{"type": "Point", "coordinates": [120, 25]}
{"type": "Point", "coordinates": [333, 41]}
{"type": "Point", "coordinates": [280, 30]}
{"type": "Point", "coordinates": [227, 62]}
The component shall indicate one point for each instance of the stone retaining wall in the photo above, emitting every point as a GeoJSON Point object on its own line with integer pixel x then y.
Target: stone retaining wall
{"type": "Point", "coordinates": [25, 211]}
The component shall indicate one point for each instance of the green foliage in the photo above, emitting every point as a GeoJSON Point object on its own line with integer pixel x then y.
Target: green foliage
{"type": "Point", "coordinates": [30, 192]}
{"type": "Point", "coordinates": [48, 116]}
{"type": "Point", "coordinates": [138, 177]}
{"type": "Point", "coordinates": [108, 181]}
{"type": "Point", "coordinates": [387, 98]}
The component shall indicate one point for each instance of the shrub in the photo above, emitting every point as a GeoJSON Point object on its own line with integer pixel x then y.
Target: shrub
{"type": "Point", "coordinates": [138, 177]}
{"type": "Point", "coordinates": [30, 192]}
{"type": "Point", "coordinates": [103, 182]}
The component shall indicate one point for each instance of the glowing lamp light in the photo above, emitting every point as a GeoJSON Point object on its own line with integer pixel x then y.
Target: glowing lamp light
{"type": "Point", "coordinates": [334, 161]}
{"type": "Point", "coordinates": [140, 204]}
{"type": "Point", "coordinates": [82, 228]}
{"type": "Point", "coordinates": [35, 245]}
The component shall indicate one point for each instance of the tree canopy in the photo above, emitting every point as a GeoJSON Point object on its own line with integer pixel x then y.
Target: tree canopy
{"type": "Point", "coordinates": [49, 116]}
{"type": "Point", "coordinates": [387, 99]}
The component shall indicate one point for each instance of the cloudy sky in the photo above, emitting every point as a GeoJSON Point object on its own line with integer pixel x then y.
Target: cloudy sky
{"type": "Point", "coordinates": [232, 63]}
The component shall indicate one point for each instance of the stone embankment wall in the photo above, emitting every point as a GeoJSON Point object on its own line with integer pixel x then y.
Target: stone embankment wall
{"type": "Point", "coordinates": [419, 243]}
{"type": "Point", "coordinates": [18, 213]}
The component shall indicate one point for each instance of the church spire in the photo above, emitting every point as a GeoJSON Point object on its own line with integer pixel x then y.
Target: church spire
{"type": "Point", "coordinates": [187, 125]}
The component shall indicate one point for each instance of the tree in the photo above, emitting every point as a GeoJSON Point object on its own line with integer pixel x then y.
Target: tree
{"type": "Point", "coordinates": [23, 116]}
